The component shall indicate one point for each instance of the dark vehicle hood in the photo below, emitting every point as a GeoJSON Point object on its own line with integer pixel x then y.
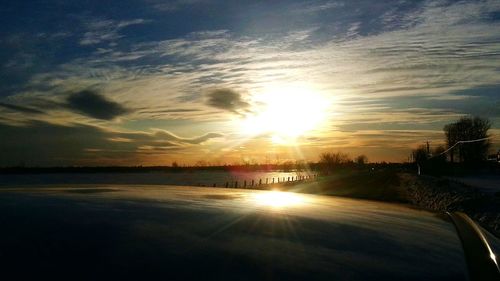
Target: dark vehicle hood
{"type": "Point", "coordinates": [144, 232]}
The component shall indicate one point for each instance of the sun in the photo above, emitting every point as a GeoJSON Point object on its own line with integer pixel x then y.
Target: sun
{"type": "Point", "coordinates": [286, 113]}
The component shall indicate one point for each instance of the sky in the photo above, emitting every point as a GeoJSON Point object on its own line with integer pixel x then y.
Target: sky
{"type": "Point", "coordinates": [151, 82]}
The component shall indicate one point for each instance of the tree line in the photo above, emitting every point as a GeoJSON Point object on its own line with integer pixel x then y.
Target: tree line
{"type": "Point", "coordinates": [466, 141]}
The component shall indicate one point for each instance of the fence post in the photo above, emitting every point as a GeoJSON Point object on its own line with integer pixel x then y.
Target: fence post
{"type": "Point", "coordinates": [260, 181]}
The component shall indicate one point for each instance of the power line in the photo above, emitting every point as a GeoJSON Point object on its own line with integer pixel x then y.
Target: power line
{"type": "Point", "coordinates": [460, 142]}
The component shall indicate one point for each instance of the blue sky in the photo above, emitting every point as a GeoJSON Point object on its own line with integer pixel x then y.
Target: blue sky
{"type": "Point", "coordinates": [151, 82]}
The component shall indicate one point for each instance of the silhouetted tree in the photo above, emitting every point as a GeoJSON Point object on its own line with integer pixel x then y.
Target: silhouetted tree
{"type": "Point", "coordinates": [466, 129]}
{"type": "Point", "coordinates": [331, 160]}
{"type": "Point", "coordinates": [451, 134]}
{"type": "Point", "coordinates": [287, 166]}
{"type": "Point", "coordinates": [300, 165]}
{"type": "Point", "coordinates": [436, 161]}
{"type": "Point", "coordinates": [201, 163]}
{"type": "Point", "coordinates": [361, 159]}
{"type": "Point", "coordinates": [420, 155]}
{"type": "Point", "coordinates": [438, 154]}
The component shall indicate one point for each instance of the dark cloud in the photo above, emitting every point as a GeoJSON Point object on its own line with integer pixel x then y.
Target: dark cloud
{"type": "Point", "coordinates": [95, 105]}
{"type": "Point", "coordinates": [227, 99]}
{"type": "Point", "coordinates": [44, 144]}
{"type": "Point", "coordinates": [40, 143]}
{"type": "Point", "coordinates": [19, 108]}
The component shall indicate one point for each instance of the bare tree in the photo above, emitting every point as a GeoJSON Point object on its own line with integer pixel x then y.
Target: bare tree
{"type": "Point", "coordinates": [451, 134]}
{"type": "Point", "coordinates": [438, 154]}
{"type": "Point", "coordinates": [420, 155]}
{"type": "Point", "coordinates": [287, 166]}
{"type": "Point", "coordinates": [361, 159]}
{"type": "Point", "coordinates": [331, 160]}
{"type": "Point", "coordinates": [468, 129]}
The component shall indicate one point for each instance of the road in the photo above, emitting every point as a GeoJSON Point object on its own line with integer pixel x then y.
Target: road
{"type": "Point", "coordinates": [489, 184]}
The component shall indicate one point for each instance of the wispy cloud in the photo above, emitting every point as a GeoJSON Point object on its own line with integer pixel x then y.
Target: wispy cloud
{"type": "Point", "coordinates": [162, 134]}
{"type": "Point", "coordinates": [172, 6]}
{"type": "Point", "coordinates": [19, 108]}
{"type": "Point", "coordinates": [99, 30]}
{"type": "Point", "coordinates": [390, 66]}
{"type": "Point", "coordinates": [318, 6]}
